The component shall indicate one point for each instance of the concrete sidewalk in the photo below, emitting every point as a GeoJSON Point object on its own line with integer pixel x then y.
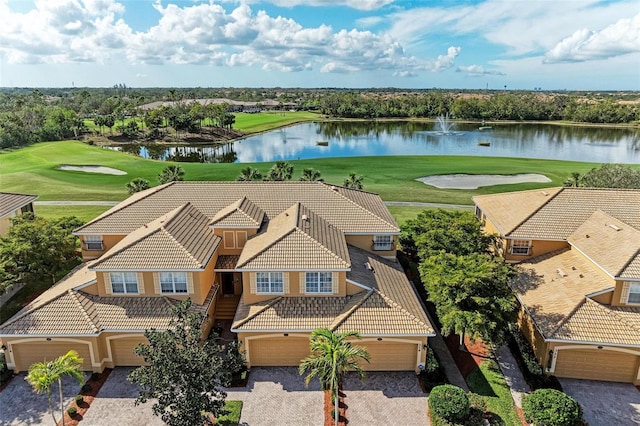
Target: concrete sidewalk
{"type": "Point", "coordinates": [512, 375]}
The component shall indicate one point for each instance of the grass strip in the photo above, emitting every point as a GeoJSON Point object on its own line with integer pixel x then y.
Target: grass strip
{"type": "Point", "coordinates": [487, 380]}
{"type": "Point", "coordinates": [233, 410]}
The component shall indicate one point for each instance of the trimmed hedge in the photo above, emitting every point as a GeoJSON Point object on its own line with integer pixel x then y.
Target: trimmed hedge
{"type": "Point", "coordinates": [533, 373]}
{"type": "Point", "coordinates": [549, 407]}
{"type": "Point", "coordinates": [449, 402]}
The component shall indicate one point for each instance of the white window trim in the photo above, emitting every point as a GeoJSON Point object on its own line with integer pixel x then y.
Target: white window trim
{"type": "Point", "coordinates": [173, 283]}
{"type": "Point", "coordinates": [306, 283]}
{"type": "Point", "coordinates": [520, 246]}
{"type": "Point", "coordinates": [271, 283]}
{"type": "Point", "coordinates": [631, 285]}
{"type": "Point", "coordinates": [124, 284]}
{"type": "Point", "coordinates": [383, 242]}
{"type": "Point", "coordinates": [93, 239]}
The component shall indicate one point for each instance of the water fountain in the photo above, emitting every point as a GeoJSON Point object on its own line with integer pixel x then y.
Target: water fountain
{"type": "Point", "coordinates": [444, 124]}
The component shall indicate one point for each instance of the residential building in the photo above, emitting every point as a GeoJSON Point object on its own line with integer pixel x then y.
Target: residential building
{"type": "Point", "coordinates": [578, 251]}
{"type": "Point", "coordinates": [274, 259]}
{"type": "Point", "coordinates": [12, 205]}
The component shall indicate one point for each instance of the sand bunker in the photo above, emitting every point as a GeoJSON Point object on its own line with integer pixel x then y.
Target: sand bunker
{"type": "Point", "coordinates": [476, 181]}
{"type": "Point", "coordinates": [93, 169]}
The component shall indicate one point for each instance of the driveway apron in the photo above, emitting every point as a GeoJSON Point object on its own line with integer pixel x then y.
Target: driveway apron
{"type": "Point", "coordinates": [385, 398]}
{"type": "Point", "coordinates": [605, 403]}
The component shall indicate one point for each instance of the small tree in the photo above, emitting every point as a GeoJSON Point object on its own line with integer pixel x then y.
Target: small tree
{"type": "Point", "coordinates": [280, 171]}
{"type": "Point", "coordinates": [183, 373]}
{"type": "Point", "coordinates": [353, 181]}
{"type": "Point", "coordinates": [332, 355]}
{"type": "Point", "coordinates": [311, 175]}
{"type": "Point", "coordinates": [248, 174]}
{"type": "Point", "coordinates": [171, 173]}
{"type": "Point", "coordinates": [42, 375]}
{"type": "Point", "coordinates": [449, 402]}
{"type": "Point", "coordinates": [471, 294]}
{"type": "Point", "coordinates": [137, 185]}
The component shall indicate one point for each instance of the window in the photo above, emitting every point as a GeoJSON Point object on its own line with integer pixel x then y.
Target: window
{"type": "Point", "coordinates": [383, 242]}
{"type": "Point", "coordinates": [173, 282]}
{"type": "Point", "coordinates": [319, 282]}
{"type": "Point", "coordinates": [521, 247]}
{"type": "Point", "coordinates": [634, 293]}
{"type": "Point", "coordinates": [124, 282]}
{"type": "Point", "coordinates": [93, 242]}
{"type": "Point", "coordinates": [269, 282]}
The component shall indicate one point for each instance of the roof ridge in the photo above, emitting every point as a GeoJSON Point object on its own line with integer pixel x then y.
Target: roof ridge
{"type": "Point", "coordinates": [358, 205]}
{"type": "Point", "coordinates": [566, 319]}
{"type": "Point", "coordinates": [184, 249]}
{"type": "Point", "coordinates": [343, 316]}
{"type": "Point", "coordinates": [258, 312]}
{"type": "Point", "coordinates": [271, 244]}
{"type": "Point", "coordinates": [19, 315]}
{"type": "Point", "coordinates": [102, 258]}
{"type": "Point", "coordinates": [123, 204]}
{"type": "Point", "coordinates": [75, 296]}
{"type": "Point", "coordinates": [628, 262]}
{"type": "Point", "coordinates": [562, 189]}
{"type": "Point", "coordinates": [399, 306]}
{"type": "Point", "coordinates": [615, 314]}
{"type": "Point", "coordinates": [325, 248]}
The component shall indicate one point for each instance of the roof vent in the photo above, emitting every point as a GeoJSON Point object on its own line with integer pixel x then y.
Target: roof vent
{"type": "Point", "coordinates": [305, 217]}
{"type": "Point", "coordinates": [333, 188]}
{"type": "Point", "coordinates": [368, 266]}
{"type": "Point", "coordinates": [614, 227]}
{"type": "Point", "coordinates": [561, 272]}
{"type": "Point", "coordinates": [545, 193]}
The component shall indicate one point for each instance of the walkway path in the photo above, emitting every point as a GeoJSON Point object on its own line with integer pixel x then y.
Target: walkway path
{"type": "Point", "coordinates": [512, 374]}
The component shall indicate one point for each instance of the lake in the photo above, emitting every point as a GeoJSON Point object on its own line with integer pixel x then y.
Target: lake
{"type": "Point", "coordinates": [346, 139]}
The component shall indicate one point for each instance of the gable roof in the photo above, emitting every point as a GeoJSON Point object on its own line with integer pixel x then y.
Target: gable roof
{"type": "Point", "coordinates": [296, 239]}
{"type": "Point", "coordinates": [180, 238]}
{"type": "Point", "coordinates": [241, 214]}
{"type": "Point", "coordinates": [611, 244]}
{"type": "Point", "coordinates": [388, 304]}
{"type": "Point", "coordinates": [348, 210]}
{"type": "Point", "coordinates": [556, 216]}
{"type": "Point", "coordinates": [10, 202]}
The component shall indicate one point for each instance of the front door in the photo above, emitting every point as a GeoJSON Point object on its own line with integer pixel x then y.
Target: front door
{"type": "Point", "coordinates": [227, 283]}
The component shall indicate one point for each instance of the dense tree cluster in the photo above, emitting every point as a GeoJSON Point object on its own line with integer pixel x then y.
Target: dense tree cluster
{"type": "Point", "coordinates": [607, 176]}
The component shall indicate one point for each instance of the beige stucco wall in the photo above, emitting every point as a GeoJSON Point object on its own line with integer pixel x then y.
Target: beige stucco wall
{"type": "Point", "coordinates": [294, 288]}
{"type": "Point", "coordinates": [5, 224]}
{"type": "Point", "coordinates": [538, 247]}
{"type": "Point", "coordinates": [233, 239]}
{"type": "Point", "coordinates": [108, 241]}
{"type": "Point", "coordinates": [365, 242]}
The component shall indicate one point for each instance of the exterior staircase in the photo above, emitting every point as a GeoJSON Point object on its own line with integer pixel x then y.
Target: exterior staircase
{"type": "Point", "coordinates": [226, 307]}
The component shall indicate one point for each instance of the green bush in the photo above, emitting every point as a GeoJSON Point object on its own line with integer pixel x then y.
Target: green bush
{"type": "Point", "coordinates": [528, 363]}
{"type": "Point", "coordinates": [549, 407]}
{"type": "Point", "coordinates": [72, 411]}
{"type": "Point", "coordinates": [79, 399]}
{"type": "Point", "coordinates": [449, 402]}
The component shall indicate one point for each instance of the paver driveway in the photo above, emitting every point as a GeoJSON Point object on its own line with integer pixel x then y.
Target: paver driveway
{"type": "Point", "coordinates": [605, 403]}
{"type": "Point", "coordinates": [20, 405]}
{"type": "Point", "coordinates": [385, 398]}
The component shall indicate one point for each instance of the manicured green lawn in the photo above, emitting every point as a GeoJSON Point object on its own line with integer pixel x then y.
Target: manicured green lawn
{"type": "Point", "coordinates": [34, 170]}
{"type": "Point", "coordinates": [253, 123]}
{"type": "Point", "coordinates": [403, 213]}
{"type": "Point", "coordinates": [232, 418]}
{"type": "Point", "coordinates": [489, 382]}
{"type": "Point", "coordinates": [84, 213]}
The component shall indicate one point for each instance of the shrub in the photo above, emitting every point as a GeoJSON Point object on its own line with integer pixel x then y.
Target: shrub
{"type": "Point", "coordinates": [528, 363]}
{"type": "Point", "coordinates": [433, 373]}
{"type": "Point", "coordinates": [72, 411]}
{"type": "Point", "coordinates": [79, 399]}
{"type": "Point", "coordinates": [549, 407]}
{"type": "Point", "coordinates": [86, 388]}
{"type": "Point", "coordinates": [449, 402]}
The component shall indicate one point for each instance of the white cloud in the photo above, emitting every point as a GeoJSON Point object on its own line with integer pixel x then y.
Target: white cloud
{"type": "Point", "coordinates": [354, 4]}
{"type": "Point", "coordinates": [617, 39]}
{"type": "Point", "coordinates": [477, 70]}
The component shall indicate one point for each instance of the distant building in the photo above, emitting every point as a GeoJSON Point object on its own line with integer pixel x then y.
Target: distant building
{"type": "Point", "coordinates": [12, 205]}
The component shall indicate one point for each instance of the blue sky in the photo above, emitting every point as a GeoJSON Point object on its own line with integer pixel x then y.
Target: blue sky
{"type": "Point", "coordinates": [548, 44]}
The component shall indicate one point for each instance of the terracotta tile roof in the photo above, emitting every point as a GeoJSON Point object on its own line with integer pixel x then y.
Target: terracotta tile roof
{"type": "Point", "coordinates": [390, 306]}
{"type": "Point", "coordinates": [349, 211]}
{"type": "Point", "coordinates": [595, 322]}
{"type": "Point", "coordinates": [553, 285]}
{"type": "Point", "coordinates": [611, 244]}
{"type": "Point", "coordinates": [10, 202]}
{"type": "Point", "coordinates": [527, 215]}
{"type": "Point", "coordinates": [181, 239]}
{"type": "Point", "coordinates": [241, 214]}
{"type": "Point", "coordinates": [227, 261]}
{"type": "Point", "coordinates": [296, 239]}
{"type": "Point", "coordinates": [508, 210]}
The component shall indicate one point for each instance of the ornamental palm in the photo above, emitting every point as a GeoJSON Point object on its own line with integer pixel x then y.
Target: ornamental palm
{"type": "Point", "coordinates": [311, 175]}
{"type": "Point", "coordinates": [171, 174]}
{"type": "Point", "coordinates": [137, 185]}
{"type": "Point", "coordinates": [353, 181]}
{"type": "Point", "coordinates": [280, 171]}
{"type": "Point", "coordinates": [248, 174]}
{"type": "Point", "coordinates": [43, 374]}
{"type": "Point", "coordinates": [332, 355]}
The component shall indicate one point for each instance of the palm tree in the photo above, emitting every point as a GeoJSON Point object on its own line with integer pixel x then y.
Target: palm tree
{"type": "Point", "coordinates": [332, 355]}
{"type": "Point", "coordinates": [137, 185]}
{"type": "Point", "coordinates": [311, 175]}
{"type": "Point", "coordinates": [353, 181]}
{"type": "Point", "coordinates": [43, 374]}
{"type": "Point", "coordinates": [171, 174]}
{"type": "Point", "coordinates": [280, 171]}
{"type": "Point", "coordinates": [574, 181]}
{"type": "Point", "coordinates": [248, 174]}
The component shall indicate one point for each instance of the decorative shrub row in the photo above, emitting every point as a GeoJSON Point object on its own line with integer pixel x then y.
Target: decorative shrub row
{"type": "Point", "coordinates": [433, 374]}
{"type": "Point", "coordinates": [528, 363]}
{"type": "Point", "coordinates": [549, 407]}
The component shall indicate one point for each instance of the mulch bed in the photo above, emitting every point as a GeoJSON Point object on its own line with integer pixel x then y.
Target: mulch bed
{"type": "Point", "coordinates": [88, 396]}
{"type": "Point", "coordinates": [467, 361]}
{"type": "Point", "coordinates": [329, 420]}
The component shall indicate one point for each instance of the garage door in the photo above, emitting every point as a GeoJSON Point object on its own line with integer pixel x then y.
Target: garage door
{"type": "Point", "coordinates": [122, 351]}
{"type": "Point", "coordinates": [390, 356]}
{"type": "Point", "coordinates": [278, 351]}
{"type": "Point", "coordinates": [26, 354]}
{"type": "Point", "coordinates": [596, 364]}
